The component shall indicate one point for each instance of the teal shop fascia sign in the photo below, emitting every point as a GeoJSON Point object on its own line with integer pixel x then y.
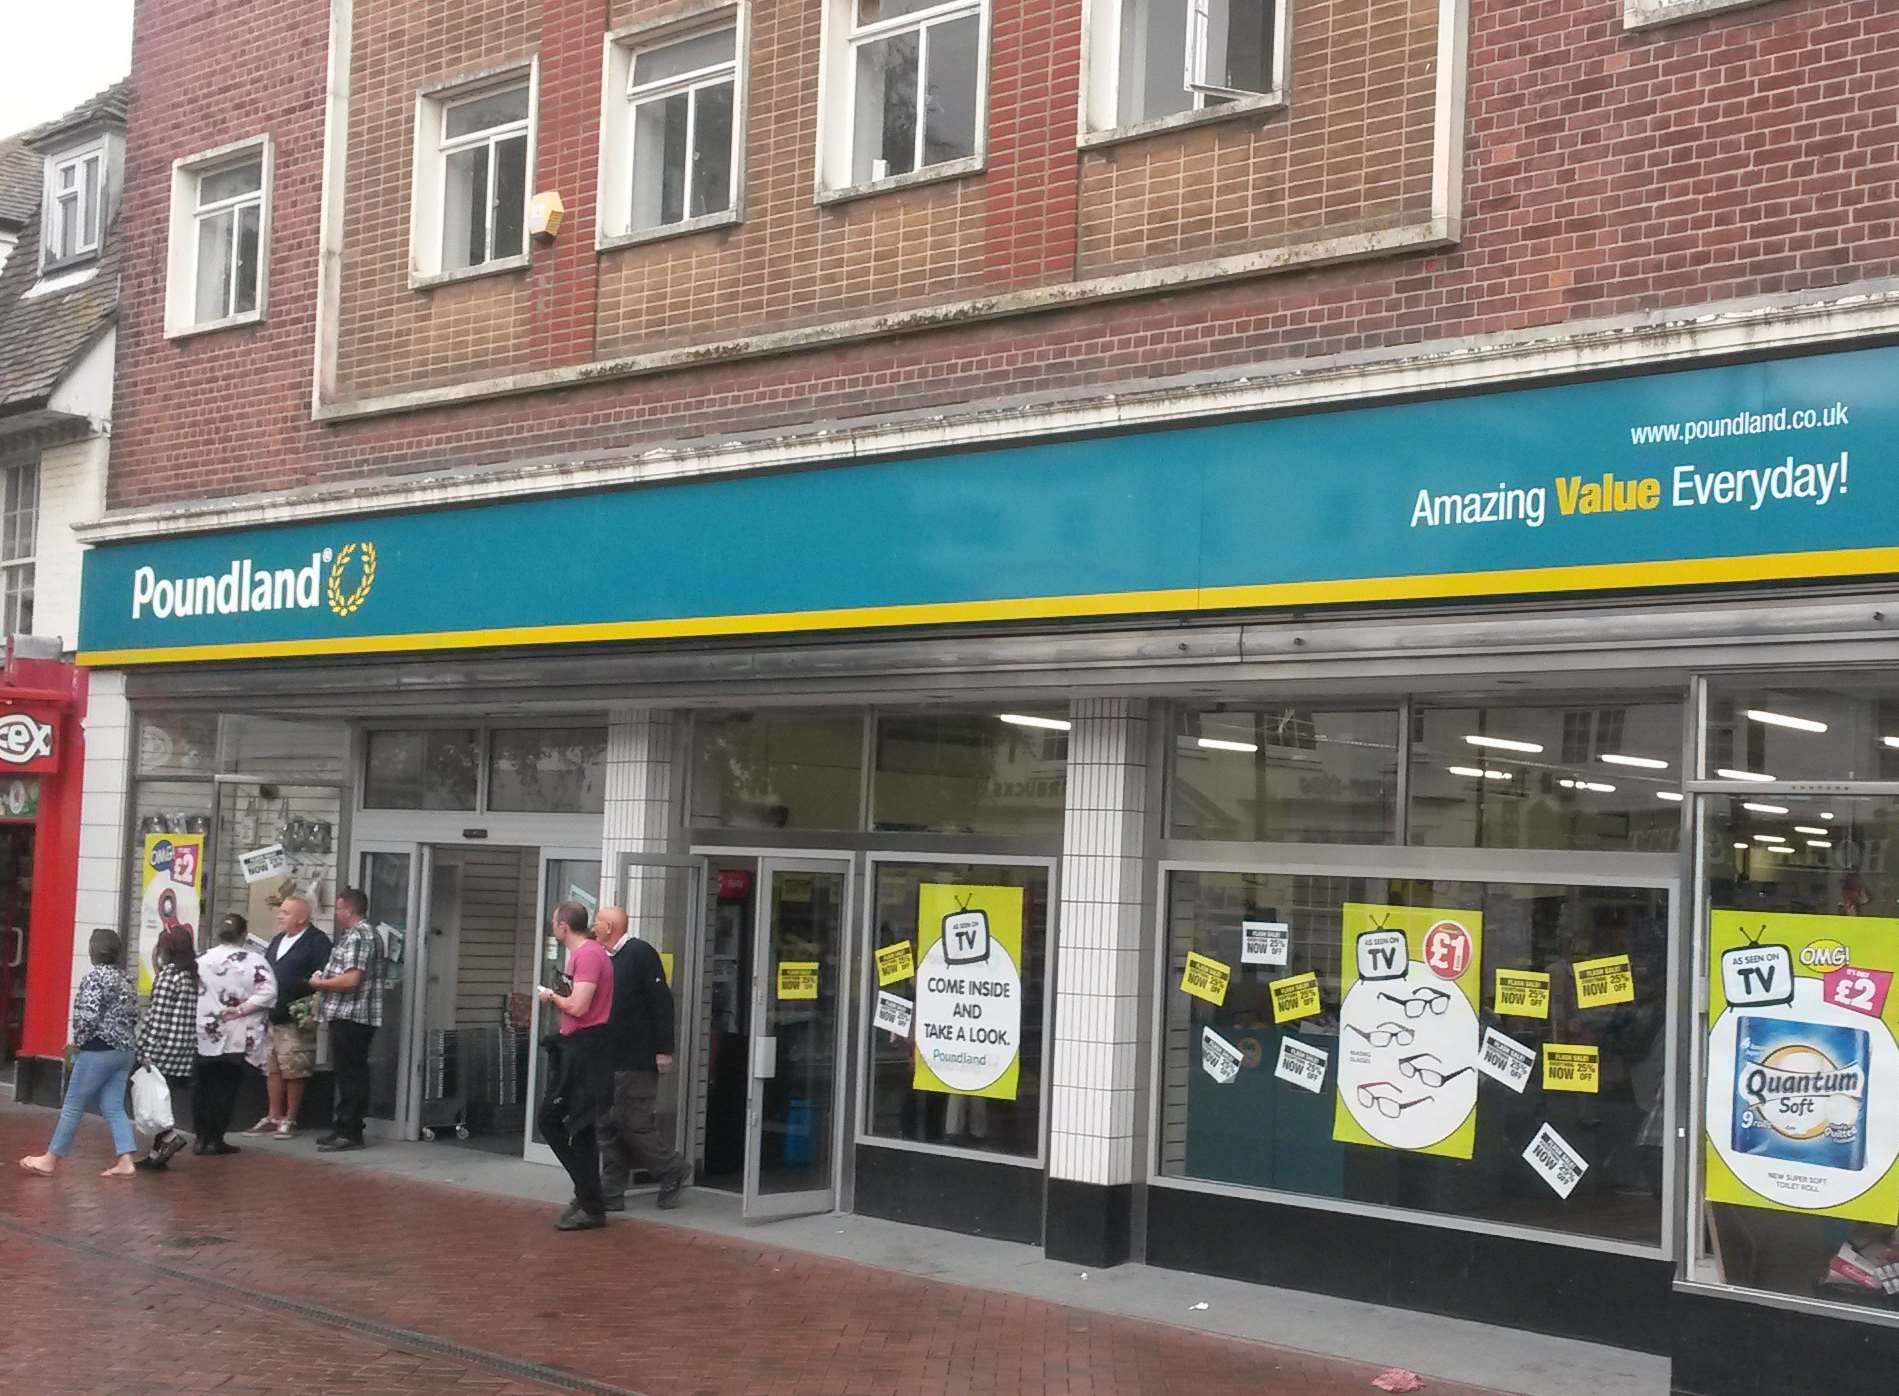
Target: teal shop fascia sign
{"type": "Point", "coordinates": [1740, 474]}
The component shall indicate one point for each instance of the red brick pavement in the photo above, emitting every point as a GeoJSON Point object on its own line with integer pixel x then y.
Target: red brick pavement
{"type": "Point", "coordinates": [140, 1287]}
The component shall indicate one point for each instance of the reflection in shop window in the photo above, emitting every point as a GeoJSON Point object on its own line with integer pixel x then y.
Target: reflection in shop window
{"type": "Point", "coordinates": [178, 744]}
{"type": "Point", "coordinates": [1248, 1125]}
{"type": "Point", "coordinates": [971, 773]}
{"type": "Point", "coordinates": [426, 768]}
{"type": "Point", "coordinates": [1604, 776]}
{"type": "Point", "coordinates": [776, 771]}
{"type": "Point", "coordinates": [1001, 1118]}
{"type": "Point", "coordinates": [548, 770]}
{"type": "Point", "coordinates": [1809, 727]}
{"type": "Point", "coordinates": [1286, 774]}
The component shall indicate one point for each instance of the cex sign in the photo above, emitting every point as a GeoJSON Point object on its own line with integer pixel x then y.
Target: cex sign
{"type": "Point", "coordinates": [28, 740]}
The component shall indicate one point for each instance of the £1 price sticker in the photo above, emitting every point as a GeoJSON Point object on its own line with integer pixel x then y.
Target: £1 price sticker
{"type": "Point", "coordinates": [1205, 978]}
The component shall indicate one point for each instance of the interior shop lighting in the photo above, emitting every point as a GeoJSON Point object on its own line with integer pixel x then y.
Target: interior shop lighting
{"type": "Point", "coordinates": [1729, 773]}
{"type": "Point", "coordinates": [1047, 724]}
{"type": "Point", "coordinates": [1781, 848]}
{"type": "Point", "coordinates": [1819, 843]}
{"type": "Point", "coordinates": [1813, 829]}
{"type": "Point", "coordinates": [1890, 741]}
{"type": "Point", "coordinates": [1826, 814]}
{"type": "Point", "coordinates": [1763, 809]}
{"type": "Point", "coordinates": [1797, 724]}
{"type": "Point", "coordinates": [1740, 848]}
{"type": "Point", "coordinates": [1770, 838]}
{"type": "Point", "coordinates": [1478, 772]}
{"type": "Point", "coordinates": [1507, 744]}
{"type": "Point", "coordinates": [1597, 786]}
{"type": "Point", "coordinates": [1646, 763]}
{"type": "Point", "coordinates": [1672, 795]}
{"type": "Point", "coordinates": [1220, 744]}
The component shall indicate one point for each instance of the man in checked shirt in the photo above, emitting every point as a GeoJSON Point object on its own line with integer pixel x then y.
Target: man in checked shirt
{"type": "Point", "coordinates": [351, 985]}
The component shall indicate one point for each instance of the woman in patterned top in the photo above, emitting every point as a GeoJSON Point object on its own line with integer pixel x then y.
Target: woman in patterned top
{"type": "Point", "coordinates": [235, 991]}
{"type": "Point", "coordinates": [103, 1010]}
{"type": "Point", "coordinates": [168, 1033]}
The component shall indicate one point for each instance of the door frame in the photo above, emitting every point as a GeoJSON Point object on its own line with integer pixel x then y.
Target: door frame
{"type": "Point", "coordinates": [409, 1056]}
{"type": "Point", "coordinates": [685, 982]}
{"type": "Point", "coordinates": [532, 1150]}
{"type": "Point", "coordinates": [756, 1206]}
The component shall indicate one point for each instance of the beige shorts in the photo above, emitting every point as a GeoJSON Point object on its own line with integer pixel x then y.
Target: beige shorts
{"type": "Point", "coordinates": [292, 1052]}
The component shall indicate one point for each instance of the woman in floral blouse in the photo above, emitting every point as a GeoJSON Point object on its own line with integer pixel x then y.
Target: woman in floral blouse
{"type": "Point", "coordinates": [103, 1010]}
{"type": "Point", "coordinates": [235, 991]}
{"type": "Point", "coordinates": [168, 1033]}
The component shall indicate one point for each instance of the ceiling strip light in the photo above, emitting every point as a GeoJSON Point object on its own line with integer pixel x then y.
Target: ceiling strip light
{"type": "Point", "coordinates": [1674, 795]}
{"type": "Point", "coordinates": [1797, 724]}
{"type": "Point", "coordinates": [1646, 763]}
{"type": "Point", "coordinates": [1728, 773]}
{"type": "Point", "coordinates": [1763, 809]}
{"type": "Point", "coordinates": [1507, 744]}
{"type": "Point", "coordinates": [1050, 724]}
{"type": "Point", "coordinates": [1216, 744]}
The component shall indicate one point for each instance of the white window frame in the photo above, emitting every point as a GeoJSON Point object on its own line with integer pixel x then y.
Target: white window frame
{"type": "Point", "coordinates": [614, 226]}
{"type": "Point", "coordinates": [1101, 121]}
{"type": "Point", "coordinates": [427, 207]}
{"type": "Point", "coordinates": [181, 278]}
{"type": "Point", "coordinates": [94, 151]}
{"type": "Point", "coordinates": [13, 569]}
{"type": "Point", "coordinates": [837, 97]}
{"type": "Point", "coordinates": [1649, 14]}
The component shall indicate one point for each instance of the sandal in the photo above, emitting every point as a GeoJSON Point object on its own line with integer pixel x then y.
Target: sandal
{"type": "Point", "coordinates": [27, 1165]}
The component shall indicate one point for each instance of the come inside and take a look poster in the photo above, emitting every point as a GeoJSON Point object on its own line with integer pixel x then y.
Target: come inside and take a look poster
{"type": "Point", "coordinates": [969, 990]}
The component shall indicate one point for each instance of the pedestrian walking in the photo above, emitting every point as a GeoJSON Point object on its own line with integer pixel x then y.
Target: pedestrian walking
{"type": "Point", "coordinates": [104, 1009]}
{"type": "Point", "coordinates": [235, 992]}
{"type": "Point", "coordinates": [352, 985]}
{"type": "Point", "coordinates": [296, 952]}
{"type": "Point", "coordinates": [168, 1032]}
{"type": "Point", "coordinates": [641, 1028]}
{"type": "Point", "coordinates": [579, 1066]}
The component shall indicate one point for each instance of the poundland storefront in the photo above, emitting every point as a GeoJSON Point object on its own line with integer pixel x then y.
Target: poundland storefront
{"type": "Point", "coordinates": [1437, 852]}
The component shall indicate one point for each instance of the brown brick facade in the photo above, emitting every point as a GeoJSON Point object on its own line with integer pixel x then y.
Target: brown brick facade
{"type": "Point", "coordinates": [1606, 173]}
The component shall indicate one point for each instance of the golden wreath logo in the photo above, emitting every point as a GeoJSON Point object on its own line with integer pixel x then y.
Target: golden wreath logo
{"type": "Point", "coordinates": [341, 604]}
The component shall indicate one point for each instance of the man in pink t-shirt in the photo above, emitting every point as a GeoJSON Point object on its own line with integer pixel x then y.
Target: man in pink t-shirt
{"type": "Point", "coordinates": [580, 1065]}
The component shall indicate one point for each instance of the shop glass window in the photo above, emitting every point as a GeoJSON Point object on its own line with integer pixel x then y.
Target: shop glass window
{"type": "Point", "coordinates": [1003, 1117]}
{"type": "Point", "coordinates": [1800, 1124]}
{"type": "Point", "coordinates": [971, 773]}
{"type": "Point", "coordinates": [777, 771]}
{"type": "Point", "coordinates": [916, 75]}
{"type": "Point", "coordinates": [1407, 1054]}
{"type": "Point", "coordinates": [681, 95]}
{"type": "Point", "coordinates": [548, 770]}
{"type": "Point", "coordinates": [19, 535]}
{"type": "Point", "coordinates": [1602, 775]}
{"type": "Point", "coordinates": [1285, 774]}
{"type": "Point", "coordinates": [472, 178]}
{"type": "Point", "coordinates": [183, 744]}
{"type": "Point", "coordinates": [422, 768]}
{"type": "Point", "coordinates": [1804, 727]}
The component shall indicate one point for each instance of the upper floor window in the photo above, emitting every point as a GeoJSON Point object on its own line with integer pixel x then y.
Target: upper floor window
{"type": "Point", "coordinates": [220, 221]}
{"type": "Point", "coordinates": [1157, 59]}
{"type": "Point", "coordinates": [19, 530]}
{"type": "Point", "coordinates": [75, 196]}
{"type": "Point", "coordinates": [473, 163]}
{"type": "Point", "coordinates": [912, 95]}
{"type": "Point", "coordinates": [670, 141]}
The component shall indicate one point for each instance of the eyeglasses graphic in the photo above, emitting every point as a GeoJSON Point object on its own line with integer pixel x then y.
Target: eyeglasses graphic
{"type": "Point", "coordinates": [1385, 1034]}
{"type": "Point", "coordinates": [1387, 1105]}
{"type": "Point", "coordinates": [1425, 999]}
{"type": "Point", "coordinates": [1428, 1075]}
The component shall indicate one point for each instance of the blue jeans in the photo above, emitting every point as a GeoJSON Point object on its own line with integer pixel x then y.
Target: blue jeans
{"type": "Point", "coordinates": [98, 1079]}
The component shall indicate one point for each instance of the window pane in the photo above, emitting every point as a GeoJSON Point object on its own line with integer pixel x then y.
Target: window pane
{"type": "Point", "coordinates": [1244, 61]}
{"type": "Point", "coordinates": [1153, 60]}
{"type": "Point", "coordinates": [777, 771]}
{"type": "Point", "coordinates": [1008, 1122]}
{"type": "Point", "coordinates": [949, 124]}
{"type": "Point", "coordinates": [510, 197]}
{"type": "Point", "coordinates": [435, 768]}
{"type": "Point", "coordinates": [886, 108]}
{"type": "Point", "coordinates": [686, 56]}
{"type": "Point", "coordinates": [659, 161]}
{"type": "Point", "coordinates": [465, 209]}
{"type": "Point", "coordinates": [712, 150]}
{"type": "Point", "coordinates": [66, 226]}
{"type": "Point", "coordinates": [1299, 775]}
{"type": "Point", "coordinates": [68, 175]}
{"type": "Point", "coordinates": [1810, 727]}
{"type": "Point", "coordinates": [89, 192]}
{"type": "Point", "coordinates": [870, 11]}
{"type": "Point", "coordinates": [231, 182]}
{"type": "Point", "coordinates": [215, 252]}
{"type": "Point", "coordinates": [178, 744]}
{"type": "Point", "coordinates": [552, 770]}
{"type": "Point", "coordinates": [1602, 775]}
{"type": "Point", "coordinates": [244, 296]}
{"type": "Point", "coordinates": [484, 113]}
{"type": "Point", "coordinates": [969, 773]}
{"type": "Point", "coordinates": [1256, 1130]}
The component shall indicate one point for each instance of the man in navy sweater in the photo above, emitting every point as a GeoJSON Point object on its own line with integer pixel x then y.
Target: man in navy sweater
{"type": "Point", "coordinates": [296, 952]}
{"type": "Point", "coordinates": [641, 1028]}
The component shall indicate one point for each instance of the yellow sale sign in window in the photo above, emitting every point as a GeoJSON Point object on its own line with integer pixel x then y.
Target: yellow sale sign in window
{"type": "Point", "coordinates": [1205, 978]}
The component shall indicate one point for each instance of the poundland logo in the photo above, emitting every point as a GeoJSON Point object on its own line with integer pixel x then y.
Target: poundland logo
{"type": "Point", "coordinates": [339, 580]}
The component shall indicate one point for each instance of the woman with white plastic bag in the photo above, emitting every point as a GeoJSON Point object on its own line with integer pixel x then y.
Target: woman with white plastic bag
{"type": "Point", "coordinates": [167, 1044]}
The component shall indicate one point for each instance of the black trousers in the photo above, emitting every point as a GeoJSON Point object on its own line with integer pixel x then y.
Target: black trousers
{"type": "Point", "coordinates": [577, 1146]}
{"type": "Point", "coordinates": [349, 1056]}
{"type": "Point", "coordinates": [630, 1137]}
{"type": "Point", "coordinates": [214, 1087]}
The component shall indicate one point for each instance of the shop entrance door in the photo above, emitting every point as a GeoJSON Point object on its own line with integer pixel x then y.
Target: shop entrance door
{"type": "Point", "coordinates": [796, 1036]}
{"type": "Point", "coordinates": [567, 874]}
{"type": "Point", "coordinates": [16, 898]}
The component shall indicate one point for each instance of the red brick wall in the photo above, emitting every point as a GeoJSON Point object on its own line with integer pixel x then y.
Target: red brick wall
{"type": "Point", "coordinates": [1750, 154]}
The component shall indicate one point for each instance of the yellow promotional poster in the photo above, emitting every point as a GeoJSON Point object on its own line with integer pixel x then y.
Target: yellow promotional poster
{"type": "Point", "coordinates": [1571, 1067]}
{"type": "Point", "coordinates": [1410, 985]}
{"type": "Point", "coordinates": [1523, 993]}
{"type": "Point", "coordinates": [1205, 978]}
{"type": "Point", "coordinates": [797, 979]}
{"type": "Point", "coordinates": [1803, 1064]}
{"type": "Point", "coordinates": [171, 893]}
{"type": "Point", "coordinates": [1297, 997]}
{"type": "Point", "coordinates": [1600, 983]}
{"type": "Point", "coordinates": [968, 1016]}
{"type": "Point", "coordinates": [666, 966]}
{"type": "Point", "coordinates": [894, 964]}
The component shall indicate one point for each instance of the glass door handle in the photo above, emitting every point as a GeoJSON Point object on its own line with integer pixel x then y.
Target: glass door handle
{"type": "Point", "coordinates": [764, 1058]}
